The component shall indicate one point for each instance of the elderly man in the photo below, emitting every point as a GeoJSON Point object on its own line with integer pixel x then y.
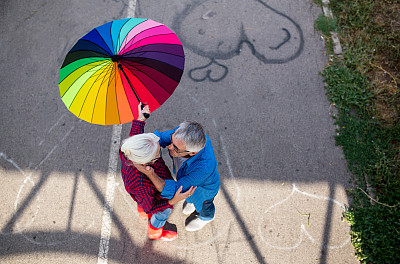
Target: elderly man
{"type": "Point", "coordinates": [195, 165]}
{"type": "Point", "coordinates": [144, 150]}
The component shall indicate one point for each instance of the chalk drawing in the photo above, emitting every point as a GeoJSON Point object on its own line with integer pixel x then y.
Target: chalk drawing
{"type": "Point", "coordinates": [51, 128]}
{"type": "Point", "coordinates": [303, 232]}
{"type": "Point", "coordinates": [28, 179]}
{"type": "Point", "coordinates": [18, 229]}
{"type": "Point", "coordinates": [215, 31]}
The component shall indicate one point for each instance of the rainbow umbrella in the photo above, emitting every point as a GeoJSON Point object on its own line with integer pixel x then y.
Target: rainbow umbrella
{"type": "Point", "coordinates": [116, 66]}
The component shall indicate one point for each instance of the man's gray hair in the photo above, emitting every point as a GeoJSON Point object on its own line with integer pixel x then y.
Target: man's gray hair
{"type": "Point", "coordinates": [141, 148]}
{"type": "Point", "coordinates": [192, 134]}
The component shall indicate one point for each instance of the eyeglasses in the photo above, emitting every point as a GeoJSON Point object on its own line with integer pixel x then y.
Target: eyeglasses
{"type": "Point", "coordinates": [177, 150]}
{"type": "Point", "coordinates": [130, 163]}
{"type": "Point", "coordinates": [155, 159]}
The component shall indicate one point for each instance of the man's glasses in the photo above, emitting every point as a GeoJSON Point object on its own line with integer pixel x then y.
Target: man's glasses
{"type": "Point", "coordinates": [177, 150]}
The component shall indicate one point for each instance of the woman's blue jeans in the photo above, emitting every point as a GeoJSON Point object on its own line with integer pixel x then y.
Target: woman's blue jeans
{"type": "Point", "coordinates": [158, 220]}
{"type": "Point", "coordinates": [206, 214]}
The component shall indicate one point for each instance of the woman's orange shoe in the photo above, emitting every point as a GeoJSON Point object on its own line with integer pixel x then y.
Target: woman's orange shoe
{"type": "Point", "coordinates": [142, 213]}
{"type": "Point", "coordinates": [160, 234]}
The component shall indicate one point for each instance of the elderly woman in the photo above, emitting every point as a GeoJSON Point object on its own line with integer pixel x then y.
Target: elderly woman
{"type": "Point", "coordinates": [143, 150]}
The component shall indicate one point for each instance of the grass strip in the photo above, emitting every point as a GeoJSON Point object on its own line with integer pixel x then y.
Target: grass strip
{"type": "Point", "coordinates": [363, 86]}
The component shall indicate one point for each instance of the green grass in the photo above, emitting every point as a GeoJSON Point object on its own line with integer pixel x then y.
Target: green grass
{"type": "Point", "coordinates": [325, 24]}
{"type": "Point", "coordinates": [363, 86]}
{"type": "Point", "coordinates": [368, 149]}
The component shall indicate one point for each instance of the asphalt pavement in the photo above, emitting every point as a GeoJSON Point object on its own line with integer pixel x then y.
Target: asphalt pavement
{"type": "Point", "coordinates": [251, 78]}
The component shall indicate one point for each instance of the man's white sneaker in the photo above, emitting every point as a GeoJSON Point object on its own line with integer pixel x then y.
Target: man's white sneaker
{"type": "Point", "coordinates": [196, 224]}
{"type": "Point", "coordinates": [188, 208]}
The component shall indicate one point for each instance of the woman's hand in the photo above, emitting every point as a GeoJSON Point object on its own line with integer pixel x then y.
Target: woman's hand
{"type": "Point", "coordinates": [145, 169]}
{"type": "Point", "coordinates": [145, 110]}
{"type": "Point", "coordinates": [151, 174]}
{"type": "Point", "coordinates": [179, 196]}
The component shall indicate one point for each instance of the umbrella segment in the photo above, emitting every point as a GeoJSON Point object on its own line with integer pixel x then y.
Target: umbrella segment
{"type": "Point", "coordinates": [116, 59]}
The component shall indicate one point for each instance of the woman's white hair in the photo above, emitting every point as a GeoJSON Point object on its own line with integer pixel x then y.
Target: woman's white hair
{"type": "Point", "coordinates": [141, 148]}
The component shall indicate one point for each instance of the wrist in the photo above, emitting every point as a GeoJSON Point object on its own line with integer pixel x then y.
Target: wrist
{"type": "Point", "coordinates": [151, 174]}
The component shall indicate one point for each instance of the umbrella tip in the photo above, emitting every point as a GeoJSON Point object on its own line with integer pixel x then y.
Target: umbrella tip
{"type": "Point", "coordinates": [115, 58]}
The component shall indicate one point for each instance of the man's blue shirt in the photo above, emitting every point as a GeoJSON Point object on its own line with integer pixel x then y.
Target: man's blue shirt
{"type": "Point", "coordinates": [199, 170]}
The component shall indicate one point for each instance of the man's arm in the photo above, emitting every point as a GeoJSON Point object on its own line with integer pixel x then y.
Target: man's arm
{"type": "Point", "coordinates": [160, 183]}
{"type": "Point", "coordinates": [138, 127]}
{"type": "Point", "coordinates": [165, 137]}
{"type": "Point", "coordinates": [145, 197]}
{"type": "Point", "coordinates": [179, 196]}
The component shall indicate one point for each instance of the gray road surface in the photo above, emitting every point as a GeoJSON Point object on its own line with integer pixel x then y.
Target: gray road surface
{"type": "Point", "coordinates": [251, 77]}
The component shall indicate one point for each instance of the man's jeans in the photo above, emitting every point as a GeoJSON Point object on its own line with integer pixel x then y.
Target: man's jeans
{"type": "Point", "coordinates": [208, 210]}
{"type": "Point", "coordinates": [158, 220]}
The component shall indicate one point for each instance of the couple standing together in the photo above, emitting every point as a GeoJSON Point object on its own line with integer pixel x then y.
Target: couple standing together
{"type": "Point", "coordinates": [149, 182]}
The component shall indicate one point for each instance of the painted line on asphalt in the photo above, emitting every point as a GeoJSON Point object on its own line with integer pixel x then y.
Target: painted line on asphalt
{"type": "Point", "coordinates": [131, 8]}
{"type": "Point", "coordinates": [109, 200]}
{"type": "Point", "coordinates": [112, 171]}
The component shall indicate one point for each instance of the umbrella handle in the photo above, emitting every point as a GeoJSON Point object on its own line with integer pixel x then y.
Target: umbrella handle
{"type": "Point", "coordinates": [146, 115]}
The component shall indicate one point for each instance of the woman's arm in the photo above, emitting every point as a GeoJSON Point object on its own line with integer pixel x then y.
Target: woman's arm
{"type": "Point", "coordinates": [151, 174]}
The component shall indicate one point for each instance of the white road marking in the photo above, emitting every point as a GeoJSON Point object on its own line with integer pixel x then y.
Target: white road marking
{"type": "Point", "coordinates": [108, 205]}
{"type": "Point", "coordinates": [112, 169]}
{"type": "Point", "coordinates": [131, 8]}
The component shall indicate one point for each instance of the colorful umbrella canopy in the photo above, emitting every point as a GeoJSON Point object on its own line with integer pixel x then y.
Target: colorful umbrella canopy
{"type": "Point", "coordinates": [116, 66]}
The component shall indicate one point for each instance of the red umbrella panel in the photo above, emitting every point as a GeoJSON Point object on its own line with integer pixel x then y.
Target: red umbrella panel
{"type": "Point", "coordinates": [116, 66]}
